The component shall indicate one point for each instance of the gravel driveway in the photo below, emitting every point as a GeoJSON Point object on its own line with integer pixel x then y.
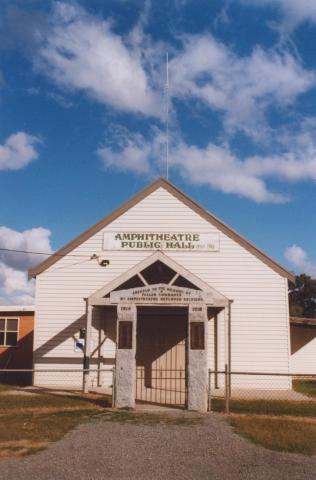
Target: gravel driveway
{"type": "Point", "coordinates": [110, 450]}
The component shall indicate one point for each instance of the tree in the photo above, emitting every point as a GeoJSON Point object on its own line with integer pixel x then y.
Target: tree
{"type": "Point", "coordinates": [302, 297]}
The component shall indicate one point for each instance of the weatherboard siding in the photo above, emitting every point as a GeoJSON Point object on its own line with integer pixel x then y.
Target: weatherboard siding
{"type": "Point", "coordinates": [260, 324]}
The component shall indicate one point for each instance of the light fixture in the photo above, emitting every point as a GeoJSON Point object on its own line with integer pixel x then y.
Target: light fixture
{"type": "Point", "coordinates": [103, 262]}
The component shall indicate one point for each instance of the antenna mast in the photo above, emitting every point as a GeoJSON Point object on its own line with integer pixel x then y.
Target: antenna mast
{"type": "Point", "coordinates": [167, 114]}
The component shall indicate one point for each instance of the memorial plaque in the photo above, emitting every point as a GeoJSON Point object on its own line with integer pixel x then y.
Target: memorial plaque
{"type": "Point", "coordinates": [161, 294]}
{"type": "Point", "coordinates": [197, 334]}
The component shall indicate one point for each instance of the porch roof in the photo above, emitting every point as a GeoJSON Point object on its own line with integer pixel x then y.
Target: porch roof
{"type": "Point", "coordinates": [98, 297]}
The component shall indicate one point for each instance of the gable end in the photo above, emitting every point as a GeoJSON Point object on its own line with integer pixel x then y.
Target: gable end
{"type": "Point", "coordinates": [182, 197]}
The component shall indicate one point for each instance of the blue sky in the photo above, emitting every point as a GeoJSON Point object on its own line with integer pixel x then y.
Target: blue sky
{"type": "Point", "coordinates": [83, 119]}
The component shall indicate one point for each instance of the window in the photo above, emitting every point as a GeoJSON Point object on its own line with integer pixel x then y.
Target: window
{"type": "Point", "coordinates": [9, 329]}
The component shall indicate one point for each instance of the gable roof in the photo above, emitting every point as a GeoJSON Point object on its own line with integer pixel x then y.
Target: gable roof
{"type": "Point", "coordinates": [162, 182]}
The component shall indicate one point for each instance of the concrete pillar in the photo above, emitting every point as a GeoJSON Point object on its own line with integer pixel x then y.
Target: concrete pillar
{"type": "Point", "coordinates": [197, 359]}
{"type": "Point", "coordinates": [125, 357]}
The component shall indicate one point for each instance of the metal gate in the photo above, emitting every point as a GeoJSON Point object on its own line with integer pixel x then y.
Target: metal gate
{"type": "Point", "coordinates": [161, 357]}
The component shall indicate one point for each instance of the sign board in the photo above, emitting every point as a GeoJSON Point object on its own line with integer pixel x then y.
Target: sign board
{"type": "Point", "coordinates": [198, 242]}
{"type": "Point", "coordinates": [79, 345]}
{"type": "Point", "coordinates": [161, 294]}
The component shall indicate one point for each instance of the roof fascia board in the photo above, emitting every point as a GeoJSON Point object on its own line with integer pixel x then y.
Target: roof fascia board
{"type": "Point", "coordinates": [94, 229]}
{"type": "Point", "coordinates": [229, 231]}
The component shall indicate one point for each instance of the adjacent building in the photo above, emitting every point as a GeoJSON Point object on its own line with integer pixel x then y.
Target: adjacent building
{"type": "Point", "coordinates": [303, 345]}
{"type": "Point", "coordinates": [16, 342]}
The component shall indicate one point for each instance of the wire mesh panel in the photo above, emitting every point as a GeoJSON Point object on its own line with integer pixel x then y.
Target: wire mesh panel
{"type": "Point", "coordinates": [262, 392]}
{"type": "Point", "coordinates": [58, 380]}
{"type": "Point", "coordinates": [161, 358]}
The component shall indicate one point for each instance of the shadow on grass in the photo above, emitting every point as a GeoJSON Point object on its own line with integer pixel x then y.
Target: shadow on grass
{"type": "Point", "coordinates": [140, 418]}
{"type": "Point", "coordinates": [37, 398]}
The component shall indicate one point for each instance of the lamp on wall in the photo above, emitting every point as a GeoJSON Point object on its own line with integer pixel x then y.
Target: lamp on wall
{"type": "Point", "coordinates": [103, 262]}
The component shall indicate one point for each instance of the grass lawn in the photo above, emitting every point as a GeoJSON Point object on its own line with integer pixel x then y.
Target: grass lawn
{"type": "Point", "coordinates": [267, 407]}
{"type": "Point", "coordinates": [27, 432]}
{"type": "Point", "coordinates": [308, 387]}
{"type": "Point", "coordinates": [4, 388]}
{"type": "Point", "coordinates": [29, 423]}
{"type": "Point", "coordinates": [47, 400]}
{"type": "Point", "coordinates": [278, 433]}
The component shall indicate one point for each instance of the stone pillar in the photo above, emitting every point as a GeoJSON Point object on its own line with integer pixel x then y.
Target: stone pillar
{"type": "Point", "coordinates": [125, 356]}
{"type": "Point", "coordinates": [197, 359]}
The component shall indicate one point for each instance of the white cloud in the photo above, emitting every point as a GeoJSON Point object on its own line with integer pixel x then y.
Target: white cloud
{"type": "Point", "coordinates": [218, 168]}
{"type": "Point", "coordinates": [242, 88]}
{"type": "Point", "coordinates": [15, 288]}
{"type": "Point", "coordinates": [134, 154]}
{"type": "Point", "coordinates": [81, 52]}
{"type": "Point", "coordinates": [18, 151]}
{"type": "Point", "coordinates": [216, 165]}
{"type": "Point", "coordinates": [294, 11]}
{"type": "Point", "coordinates": [298, 257]}
{"type": "Point", "coordinates": [34, 240]}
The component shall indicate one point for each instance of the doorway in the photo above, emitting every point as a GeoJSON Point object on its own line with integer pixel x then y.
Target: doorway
{"type": "Point", "coordinates": [161, 355]}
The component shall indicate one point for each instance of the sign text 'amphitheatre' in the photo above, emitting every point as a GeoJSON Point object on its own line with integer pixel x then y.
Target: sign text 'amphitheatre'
{"type": "Point", "coordinates": [203, 242]}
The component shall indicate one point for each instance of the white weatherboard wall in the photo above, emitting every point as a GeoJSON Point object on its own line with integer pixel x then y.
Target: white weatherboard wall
{"type": "Point", "coordinates": [260, 322]}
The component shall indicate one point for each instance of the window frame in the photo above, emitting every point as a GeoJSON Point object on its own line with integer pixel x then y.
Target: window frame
{"type": "Point", "coordinates": [6, 331]}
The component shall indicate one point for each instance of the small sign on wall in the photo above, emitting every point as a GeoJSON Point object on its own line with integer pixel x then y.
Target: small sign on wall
{"type": "Point", "coordinates": [79, 345]}
{"type": "Point", "coordinates": [173, 241]}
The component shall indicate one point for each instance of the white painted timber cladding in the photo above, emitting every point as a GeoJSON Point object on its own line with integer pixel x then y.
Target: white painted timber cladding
{"type": "Point", "coordinates": [260, 323]}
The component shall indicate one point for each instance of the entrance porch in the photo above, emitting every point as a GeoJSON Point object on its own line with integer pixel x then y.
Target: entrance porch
{"type": "Point", "coordinates": [162, 314]}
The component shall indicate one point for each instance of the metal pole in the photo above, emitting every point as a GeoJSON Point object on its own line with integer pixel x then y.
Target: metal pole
{"type": "Point", "coordinates": [229, 347]}
{"type": "Point", "coordinates": [216, 350]}
{"type": "Point", "coordinates": [87, 348]}
{"type": "Point", "coordinates": [209, 397]}
{"type": "Point", "coordinates": [113, 387]}
{"type": "Point", "coordinates": [167, 115]}
{"type": "Point", "coordinates": [226, 390]}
